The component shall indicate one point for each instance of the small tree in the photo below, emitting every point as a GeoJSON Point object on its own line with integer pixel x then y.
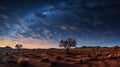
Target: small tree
{"type": "Point", "coordinates": [18, 46]}
{"type": "Point", "coordinates": [67, 44]}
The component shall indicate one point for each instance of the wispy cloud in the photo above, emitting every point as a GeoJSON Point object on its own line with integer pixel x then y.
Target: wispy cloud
{"type": "Point", "coordinates": [68, 27]}
{"type": "Point", "coordinates": [46, 31]}
{"type": "Point", "coordinates": [4, 16]}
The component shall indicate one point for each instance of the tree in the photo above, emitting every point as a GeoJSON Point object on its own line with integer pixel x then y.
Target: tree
{"type": "Point", "coordinates": [67, 44]}
{"type": "Point", "coordinates": [18, 46]}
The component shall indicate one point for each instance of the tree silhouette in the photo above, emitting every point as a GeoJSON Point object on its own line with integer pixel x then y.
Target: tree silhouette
{"type": "Point", "coordinates": [67, 44]}
{"type": "Point", "coordinates": [18, 46]}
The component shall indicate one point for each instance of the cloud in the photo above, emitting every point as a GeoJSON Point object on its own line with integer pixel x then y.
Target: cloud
{"type": "Point", "coordinates": [46, 31]}
{"type": "Point", "coordinates": [63, 27]}
{"type": "Point", "coordinates": [68, 27]}
{"type": "Point", "coordinates": [4, 16]}
{"type": "Point", "coordinates": [77, 18]}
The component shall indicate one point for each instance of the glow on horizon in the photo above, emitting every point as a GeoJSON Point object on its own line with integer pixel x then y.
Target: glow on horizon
{"type": "Point", "coordinates": [27, 43]}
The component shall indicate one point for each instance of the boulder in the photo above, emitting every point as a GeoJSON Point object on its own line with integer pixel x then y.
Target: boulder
{"type": "Point", "coordinates": [23, 61]}
{"type": "Point", "coordinates": [45, 59]}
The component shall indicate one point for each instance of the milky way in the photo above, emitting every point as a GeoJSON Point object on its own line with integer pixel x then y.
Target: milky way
{"type": "Point", "coordinates": [46, 22]}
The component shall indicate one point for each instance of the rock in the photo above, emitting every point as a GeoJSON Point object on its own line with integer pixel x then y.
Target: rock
{"type": "Point", "coordinates": [118, 55]}
{"type": "Point", "coordinates": [23, 61]}
{"type": "Point", "coordinates": [99, 54]}
{"type": "Point", "coordinates": [58, 58]}
{"type": "Point", "coordinates": [45, 59]}
{"type": "Point", "coordinates": [110, 55]}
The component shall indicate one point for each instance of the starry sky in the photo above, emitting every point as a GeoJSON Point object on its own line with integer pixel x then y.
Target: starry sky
{"type": "Point", "coordinates": [43, 23]}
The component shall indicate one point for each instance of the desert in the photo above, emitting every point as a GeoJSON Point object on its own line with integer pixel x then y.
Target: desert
{"type": "Point", "coordinates": [78, 57]}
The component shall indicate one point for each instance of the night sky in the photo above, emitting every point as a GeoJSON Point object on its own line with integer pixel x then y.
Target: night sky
{"type": "Point", "coordinates": [43, 23]}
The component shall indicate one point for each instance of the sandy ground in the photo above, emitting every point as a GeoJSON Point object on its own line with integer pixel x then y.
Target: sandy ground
{"type": "Point", "coordinates": [76, 58]}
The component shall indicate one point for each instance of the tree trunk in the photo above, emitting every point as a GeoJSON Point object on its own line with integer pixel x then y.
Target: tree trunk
{"type": "Point", "coordinates": [67, 50]}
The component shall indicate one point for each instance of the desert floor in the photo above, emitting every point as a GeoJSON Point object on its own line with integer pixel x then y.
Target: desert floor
{"type": "Point", "coordinates": [82, 57]}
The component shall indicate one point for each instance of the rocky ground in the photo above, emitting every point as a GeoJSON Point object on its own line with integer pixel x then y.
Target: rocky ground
{"type": "Point", "coordinates": [57, 58]}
